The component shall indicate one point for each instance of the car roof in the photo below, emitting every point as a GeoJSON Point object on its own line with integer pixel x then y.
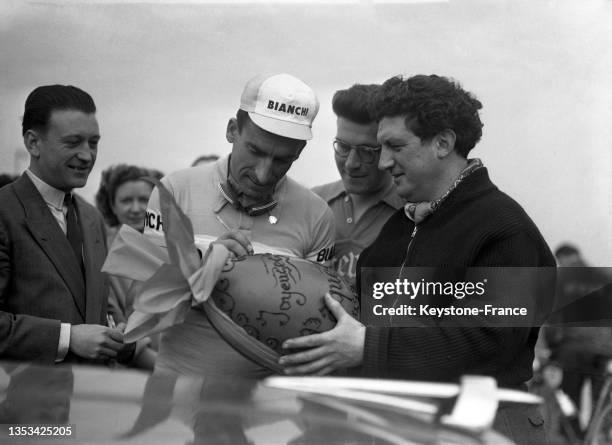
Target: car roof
{"type": "Point", "coordinates": [105, 405]}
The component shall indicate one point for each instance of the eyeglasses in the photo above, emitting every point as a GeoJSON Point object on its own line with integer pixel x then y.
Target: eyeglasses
{"type": "Point", "coordinates": [366, 153]}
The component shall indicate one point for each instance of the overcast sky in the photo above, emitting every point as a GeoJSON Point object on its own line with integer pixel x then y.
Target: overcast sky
{"type": "Point", "coordinates": [167, 77]}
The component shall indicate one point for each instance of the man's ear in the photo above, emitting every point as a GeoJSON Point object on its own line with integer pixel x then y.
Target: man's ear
{"type": "Point", "coordinates": [32, 140]}
{"type": "Point", "coordinates": [232, 130]}
{"type": "Point", "coordinates": [445, 143]}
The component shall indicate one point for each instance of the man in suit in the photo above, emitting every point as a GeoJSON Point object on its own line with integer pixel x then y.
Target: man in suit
{"type": "Point", "coordinates": [53, 295]}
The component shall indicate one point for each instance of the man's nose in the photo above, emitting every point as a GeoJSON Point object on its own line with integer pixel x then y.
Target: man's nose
{"type": "Point", "coordinates": [86, 153]}
{"type": "Point", "coordinates": [353, 161]}
{"type": "Point", "coordinates": [264, 171]}
{"type": "Point", "coordinates": [385, 162]}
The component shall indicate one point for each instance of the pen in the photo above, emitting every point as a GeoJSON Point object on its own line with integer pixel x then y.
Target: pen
{"type": "Point", "coordinates": [110, 321]}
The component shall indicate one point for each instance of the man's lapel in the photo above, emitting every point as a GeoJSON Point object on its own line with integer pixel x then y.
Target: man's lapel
{"type": "Point", "coordinates": [94, 253]}
{"type": "Point", "coordinates": [49, 236]}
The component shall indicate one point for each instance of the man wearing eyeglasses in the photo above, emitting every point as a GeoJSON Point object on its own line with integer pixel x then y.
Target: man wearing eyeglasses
{"type": "Point", "coordinates": [365, 197]}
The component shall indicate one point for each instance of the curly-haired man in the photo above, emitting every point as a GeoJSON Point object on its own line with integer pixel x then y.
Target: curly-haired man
{"type": "Point", "coordinates": [455, 217]}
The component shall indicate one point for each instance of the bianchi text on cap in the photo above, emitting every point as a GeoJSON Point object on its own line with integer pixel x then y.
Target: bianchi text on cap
{"type": "Point", "coordinates": [290, 109]}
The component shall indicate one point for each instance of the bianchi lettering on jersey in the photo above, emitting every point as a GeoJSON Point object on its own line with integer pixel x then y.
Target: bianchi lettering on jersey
{"type": "Point", "coordinates": [289, 109]}
{"type": "Point", "coordinates": [346, 265]}
{"type": "Point", "coordinates": [325, 254]}
{"type": "Point", "coordinates": [153, 220]}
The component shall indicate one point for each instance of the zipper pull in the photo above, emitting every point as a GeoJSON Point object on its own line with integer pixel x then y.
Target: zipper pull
{"type": "Point", "coordinates": [414, 231]}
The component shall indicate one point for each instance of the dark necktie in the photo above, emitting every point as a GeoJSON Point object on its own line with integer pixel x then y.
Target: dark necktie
{"type": "Point", "coordinates": [73, 231]}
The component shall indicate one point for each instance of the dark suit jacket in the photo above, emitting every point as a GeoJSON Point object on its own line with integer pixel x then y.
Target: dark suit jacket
{"type": "Point", "coordinates": [41, 283]}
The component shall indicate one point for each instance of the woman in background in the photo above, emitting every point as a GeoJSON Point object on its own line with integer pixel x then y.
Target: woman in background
{"type": "Point", "coordinates": [122, 199]}
{"type": "Point", "coordinates": [123, 196]}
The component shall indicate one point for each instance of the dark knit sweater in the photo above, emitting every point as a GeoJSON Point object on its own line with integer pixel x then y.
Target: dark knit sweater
{"type": "Point", "coordinates": [476, 226]}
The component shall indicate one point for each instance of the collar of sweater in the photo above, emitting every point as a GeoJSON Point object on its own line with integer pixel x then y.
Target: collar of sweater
{"type": "Point", "coordinates": [471, 181]}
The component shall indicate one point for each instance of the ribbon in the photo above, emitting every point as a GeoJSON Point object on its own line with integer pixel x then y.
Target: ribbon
{"type": "Point", "coordinates": [167, 283]}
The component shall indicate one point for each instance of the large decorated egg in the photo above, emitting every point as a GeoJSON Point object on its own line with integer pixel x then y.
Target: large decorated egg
{"type": "Point", "coordinates": [274, 297]}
